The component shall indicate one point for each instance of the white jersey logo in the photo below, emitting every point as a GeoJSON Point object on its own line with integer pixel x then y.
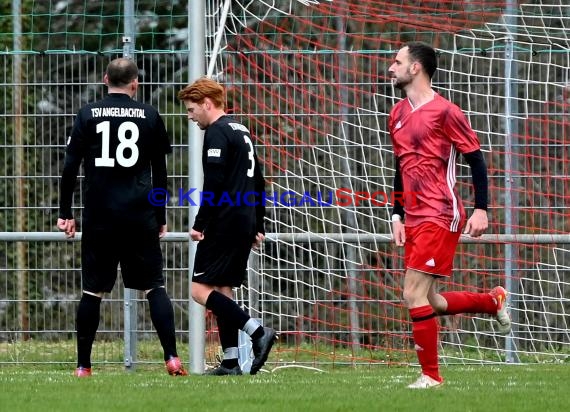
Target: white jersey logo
{"type": "Point", "coordinates": [430, 263]}
{"type": "Point", "coordinates": [214, 152]}
{"type": "Point", "coordinates": [398, 125]}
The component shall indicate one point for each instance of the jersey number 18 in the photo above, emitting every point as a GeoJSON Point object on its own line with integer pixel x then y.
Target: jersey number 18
{"type": "Point", "coordinates": [125, 129]}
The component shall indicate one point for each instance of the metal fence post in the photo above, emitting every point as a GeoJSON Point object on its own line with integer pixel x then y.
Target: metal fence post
{"type": "Point", "coordinates": [130, 295]}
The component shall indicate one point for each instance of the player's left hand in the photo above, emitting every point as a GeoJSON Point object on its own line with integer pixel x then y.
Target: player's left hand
{"type": "Point", "coordinates": [260, 237]}
{"type": "Point", "coordinates": [68, 226]}
{"type": "Point", "coordinates": [162, 231]}
{"type": "Point", "coordinates": [477, 223]}
{"type": "Point", "coordinates": [196, 236]}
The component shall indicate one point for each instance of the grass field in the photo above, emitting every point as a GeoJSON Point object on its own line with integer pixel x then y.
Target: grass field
{"type": "Point", "coordinates": [477, 388]}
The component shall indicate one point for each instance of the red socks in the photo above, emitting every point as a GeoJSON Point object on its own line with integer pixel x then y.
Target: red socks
{"type": "Point", "coordinates": [468, 302]}
{"type": "Point", "coordinates": [425, 328]}
{"type": "Point", "coordinates": [425, 332]}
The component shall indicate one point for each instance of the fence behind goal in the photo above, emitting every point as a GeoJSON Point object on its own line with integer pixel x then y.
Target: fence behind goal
{"type": "Point", "coordinates": [309, 79]}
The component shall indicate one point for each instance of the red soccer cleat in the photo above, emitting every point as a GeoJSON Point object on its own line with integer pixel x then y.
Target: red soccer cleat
{"type": "Point", "coordinates": [174, 367]}
{"type": "Point", "coordinates": [82, 372]}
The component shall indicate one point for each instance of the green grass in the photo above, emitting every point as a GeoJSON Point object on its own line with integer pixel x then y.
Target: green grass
{"type": "Point", "coordinates": [481, 388]}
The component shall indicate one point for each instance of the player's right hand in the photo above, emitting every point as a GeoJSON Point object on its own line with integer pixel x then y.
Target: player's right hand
{"type": "Point", "coordinates": [259, 238]}
{"type": "Point", "coordinates": [399, 233]}
{"type": "Point", "coordinates": [68, 226]}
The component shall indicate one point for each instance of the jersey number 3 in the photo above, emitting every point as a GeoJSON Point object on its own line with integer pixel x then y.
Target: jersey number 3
{"type": "Point", "coordinates": [128, 134]}
{"type": "Point", "coordinates": [251, 168]}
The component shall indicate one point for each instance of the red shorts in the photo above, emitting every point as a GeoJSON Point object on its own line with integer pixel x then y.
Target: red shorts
{"type": "Point", "coordinates": [430, 248]}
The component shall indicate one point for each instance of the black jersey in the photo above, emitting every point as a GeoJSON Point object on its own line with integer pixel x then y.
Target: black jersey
{"type": "Point", "coordinates": [233, 193]}
{"type": "Point", "coordinates": [123, 144]}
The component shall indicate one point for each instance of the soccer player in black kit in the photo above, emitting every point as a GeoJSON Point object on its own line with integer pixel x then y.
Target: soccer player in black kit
{"type": "Point", "coordinates": [228, 224]}
{"type": "Point", "coordinates": [123, 145]}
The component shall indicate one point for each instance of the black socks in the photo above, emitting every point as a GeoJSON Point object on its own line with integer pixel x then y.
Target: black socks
{"type": "Point", "coordinates": [162, 316]}
{"type": "Point", "coordinates": [87, 322]}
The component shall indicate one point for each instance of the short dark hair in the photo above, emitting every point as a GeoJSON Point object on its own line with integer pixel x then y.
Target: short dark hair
{"type": "Point", "coordinates": [425, 54]}
{"type": "Point", "coordinates": [120, 72]}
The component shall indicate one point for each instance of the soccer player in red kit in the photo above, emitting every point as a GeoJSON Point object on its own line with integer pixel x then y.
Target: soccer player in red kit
{"type": "Point", "coordinates": [428, 132]}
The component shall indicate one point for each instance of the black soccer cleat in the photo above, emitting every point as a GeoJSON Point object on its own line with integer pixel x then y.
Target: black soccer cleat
{"type": "Point", "coordinates": [261, 348]}
{"type": "Point", "coordinates": [222, 370]}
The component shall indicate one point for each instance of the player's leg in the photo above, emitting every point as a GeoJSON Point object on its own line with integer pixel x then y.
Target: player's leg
{"type": "Point", "coordinates": [492, 303]}
{"type": "Point", "coordinates": [98, 275]}
{"type": "Point", "coordinates": [229, 340]}
{"type": "Point", "coordinates": [429, 251]}
{"type": "Point", "coordinates": [234, 318]}
{"type": "Point", "coordinates": [452, 303]}
{"type": "Point", "coordinates": [87, 323]}
{"type": "Point", "coordinates": [222, 264]}
{"type": "Point", "coordinates": [162, 317]}
{"type": "Point", "coordinates": [141, 266]}
{"type": "Point", "coordinates": [425, 328]}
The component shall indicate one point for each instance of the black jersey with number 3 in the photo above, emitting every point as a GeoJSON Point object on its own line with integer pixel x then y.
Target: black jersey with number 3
{"type": "Point", "coordinates": [233, 193]}
{"type": "Point", "coordinates": [123, 144]}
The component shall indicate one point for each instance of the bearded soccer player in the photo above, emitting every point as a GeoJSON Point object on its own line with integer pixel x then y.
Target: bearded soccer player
{"type": "Point", "coordinates": [428, 132]}
{"type": "Point", "coordinates": [228, 224]}
{"type": "Point", "coordinates": [123, 145]}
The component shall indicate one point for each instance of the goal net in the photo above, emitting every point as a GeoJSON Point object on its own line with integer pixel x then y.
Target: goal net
{"type": "Point", "coordinates": [310, 80]}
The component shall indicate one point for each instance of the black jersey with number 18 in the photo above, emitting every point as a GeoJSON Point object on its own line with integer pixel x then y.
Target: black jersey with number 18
{"type": "Point", "coordinates": [123, 144]}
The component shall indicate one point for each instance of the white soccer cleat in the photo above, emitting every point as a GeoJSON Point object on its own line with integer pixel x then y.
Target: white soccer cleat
{"type": "Point", "coordinates": [503, 316]}
{"type": "Point", "coordinates": [425, 382]}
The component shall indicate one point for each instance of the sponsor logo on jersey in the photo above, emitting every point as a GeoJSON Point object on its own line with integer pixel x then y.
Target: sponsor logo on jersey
{"type": "Point", "coordinates": [398, 125]}
{"type": "Point", "coordinates": [214, 152]}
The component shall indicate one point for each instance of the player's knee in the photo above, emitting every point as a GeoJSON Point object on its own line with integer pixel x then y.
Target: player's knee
{"type": "Point", "coordinates": [408, 297]}
{"type": "Point", "coordinates": [413, 298]}
{"type": "Point", "coordinates": [200, 293]}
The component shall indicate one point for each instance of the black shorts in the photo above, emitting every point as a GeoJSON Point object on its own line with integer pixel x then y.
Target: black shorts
{"type": "Point", "coordinates": [221, 261]}
{"type": "Point", "coordinates": [139, 255]}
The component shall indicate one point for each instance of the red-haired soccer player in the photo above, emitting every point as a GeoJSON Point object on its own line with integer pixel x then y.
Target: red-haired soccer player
{"type": "Point", "coordinates": [428, 132]}
{"type": "Point", "coordinates": [226, 228]}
